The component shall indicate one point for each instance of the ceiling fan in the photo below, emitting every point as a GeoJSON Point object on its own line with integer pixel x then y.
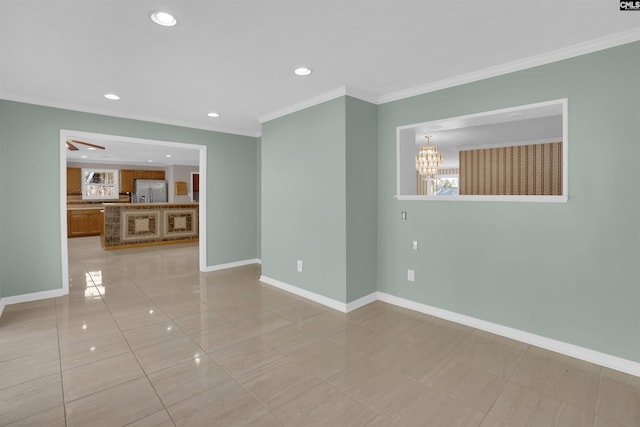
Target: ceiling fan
{"type": "Point", "coordinates": [72, 147]}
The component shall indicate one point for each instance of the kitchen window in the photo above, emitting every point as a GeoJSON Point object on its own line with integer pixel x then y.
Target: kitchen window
{"type": "Point", "coordinates": [100, 184]}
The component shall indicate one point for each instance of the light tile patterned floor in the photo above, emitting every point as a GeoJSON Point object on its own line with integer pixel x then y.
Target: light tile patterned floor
{"type": "Point", "coordinates": [144, 339]}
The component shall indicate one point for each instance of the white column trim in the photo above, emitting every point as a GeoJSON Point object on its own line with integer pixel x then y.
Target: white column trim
{"type": "Point", "coordinates": [35, 296]}
{"type": "Point", "coordinates": [320, 299]}
{"type": "Point", "coordinates": [231, 264]}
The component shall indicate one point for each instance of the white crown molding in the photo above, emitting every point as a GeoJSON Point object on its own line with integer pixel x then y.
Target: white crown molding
{"type": "Point", "coordinates": [361, 95]}
{"type": "Point", "coordinates": [303, 105]}
{"type": "Point", "coordinates": [583, 48]}
{"type": "Point", "coordinates": [139, 117]}
{"type": "Point", "coordinates": [319, 99]}
{"type": "Point", "coordinates": [509, 67]}
{"type": "Point", "coordinates": [591, 46]}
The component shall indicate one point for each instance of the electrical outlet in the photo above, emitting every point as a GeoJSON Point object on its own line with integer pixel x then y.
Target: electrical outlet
{"type": "Point", "coordinates": [411, 276]}
{"type": "Point", "coordinates": [299, 265]}
{"type": "Point", "coordinates": [415, 245]}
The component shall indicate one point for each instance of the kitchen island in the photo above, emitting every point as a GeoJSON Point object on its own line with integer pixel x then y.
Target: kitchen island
{"type": "Point", "coordinates": [128, 225]}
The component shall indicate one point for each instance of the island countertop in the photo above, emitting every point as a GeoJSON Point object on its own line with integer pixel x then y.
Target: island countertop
{"type": "Point", "coordinates": [162, 204]}
{"type": "Point", "coordinates": [85, 207]}
{"type": "Point", "coordinates": [143, 224]}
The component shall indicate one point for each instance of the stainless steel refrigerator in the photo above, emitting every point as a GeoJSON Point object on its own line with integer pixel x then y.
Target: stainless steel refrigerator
{"type": "Point", "coordinates": [149, 191]}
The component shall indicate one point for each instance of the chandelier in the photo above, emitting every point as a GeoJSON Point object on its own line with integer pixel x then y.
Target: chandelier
{"type": "Point", "coordinates": [428, 159]}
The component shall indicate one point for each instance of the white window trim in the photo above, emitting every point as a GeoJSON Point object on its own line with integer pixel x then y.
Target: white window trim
{"type": "Point", "coordinates": [116, 184]}
{"type": "Point", "coordinates": [497, 198]}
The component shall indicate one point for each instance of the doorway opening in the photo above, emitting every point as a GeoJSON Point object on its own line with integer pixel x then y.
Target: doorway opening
{"type": "Point", "coordinates": [195, 187]}
{"type": "Point", "coordinates": [131, 157]}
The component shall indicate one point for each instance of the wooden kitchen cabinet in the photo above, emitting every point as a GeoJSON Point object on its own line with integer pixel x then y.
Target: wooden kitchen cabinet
{"type": "Point", "coordinates": [74, 181]}
{"type": "Point", "coordinates": [84, 222]}
{"type": "Point", "coordinates": [145, 174]}
{"type": "Point", "coordinates": [156, 174]}
{"type": "Point", "coordinates": [128, 175]}
{"type": "Point", "coordinates": [126, 180]}
{"type": "Point", "coordinates": [95, 223]}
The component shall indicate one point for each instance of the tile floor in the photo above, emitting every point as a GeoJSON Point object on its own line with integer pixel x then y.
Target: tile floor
{"type": "Point", "coordinates": [144, 339]}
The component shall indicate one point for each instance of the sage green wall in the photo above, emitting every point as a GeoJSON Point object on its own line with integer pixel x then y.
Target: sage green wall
{"type": "Point", "coordinates": [304, 199]}
{"type": "Point", "coordinates": [4, 192]}
{"type": "Point", "coordinates": [319, 198]}
{"type": "Point", "coordinates": [362, 199]}
{"type": "Point", "coordinates": [30, 135]}
{"type": "Point", "coordinates": [566, 271]}
{"type": "Point", "coordinates": [259, 200]}
{"type": "Point", "coordinates": [4, 206]}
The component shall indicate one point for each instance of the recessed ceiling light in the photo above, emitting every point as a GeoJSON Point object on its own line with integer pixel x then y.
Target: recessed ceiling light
{"type": "Point", "coordinates": [168, 155]}
{"type": "Point", "coordinates": [163, 18]}
{"type": "Point", "coordinates": [111, 96]}
{"type": "Point", "coordinates": [91, 149]}
{"type": "Point", "coordinates": [302, 71]}
{"type": "Point", "coordinates": [84, 157]}
{"type": "Point", "coordinates": [150, 161]}
{"type": "Point", "coordinates": [213, 115]}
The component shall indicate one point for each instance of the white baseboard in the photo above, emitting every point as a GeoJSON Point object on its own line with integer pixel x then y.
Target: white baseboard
{"type": "Point", "coordinates": [35, 296]}
{"type": "Point", "coordinates": [602, 359]}
{"type": "Point", "coordinates": [320, 299]}
{"type": "Point", "coordinates": [259, 261]}
{"type": "Point", "coordinates": [582, 353]}
{"type": "Point", "coordinates": [613, 362]}
{"type": "Point", "coordinates": [210, 268]}
{"type": "Point", "coordinates": [361, 302]}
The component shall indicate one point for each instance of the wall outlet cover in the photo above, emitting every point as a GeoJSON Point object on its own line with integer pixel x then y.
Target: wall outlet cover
{"type": "Point", "coordinates": [411, 276]}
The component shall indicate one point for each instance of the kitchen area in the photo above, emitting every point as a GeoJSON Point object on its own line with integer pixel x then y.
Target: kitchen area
{"type": "Point", "coordinates": [131, 205]}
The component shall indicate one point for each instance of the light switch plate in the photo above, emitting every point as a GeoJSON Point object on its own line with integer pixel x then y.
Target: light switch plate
{"type": "Point", "coordinates": [411, 276]}
{"type": "Point", "coordinates": [415, 245]}
{"type": "Point", "coordinates": [299, 265]}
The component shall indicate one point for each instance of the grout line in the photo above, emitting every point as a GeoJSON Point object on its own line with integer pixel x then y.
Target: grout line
{"type": "Point", "coordinates": [64, 403]}
{"type": "Point", "coordinates": [595, 409]}
{"type": "Point", "coordinates": [174, 282]}
{"type": "Point", "coordinates": [145, 375]}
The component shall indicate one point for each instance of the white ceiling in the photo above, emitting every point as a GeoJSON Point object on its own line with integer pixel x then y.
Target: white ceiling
{"type": "Point", "coordinates": [126, 152]}
{"type": "Point", "coordinates": [236, 57]}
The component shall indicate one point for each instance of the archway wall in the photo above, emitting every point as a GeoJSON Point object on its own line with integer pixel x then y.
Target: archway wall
{"type": "Point", "coordinates": [30, 210]}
